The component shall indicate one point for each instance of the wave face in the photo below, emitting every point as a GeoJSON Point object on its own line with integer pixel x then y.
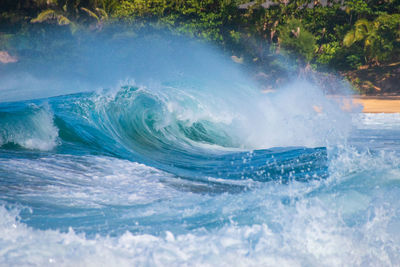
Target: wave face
{"type": "Point", "coordinates": [180, 133]}
{"type": "Point", "coordinates": [28, 126]}
{"type": "Point", "coordinates": [196, 167]}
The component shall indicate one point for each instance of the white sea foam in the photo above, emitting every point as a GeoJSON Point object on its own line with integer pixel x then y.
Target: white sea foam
{"type": "Point", "coordinates": [33, 129]}
{"type": "Point", "coordinates": [351, 219]}
{"type": "Point", "coordinates": [298, 115]}
{"type": "Point", "coordinates": [88, 181]}
{"type": "Point", "coordinates": [377, 121]}
{"type": "Point", "coordinates": [312, 235]}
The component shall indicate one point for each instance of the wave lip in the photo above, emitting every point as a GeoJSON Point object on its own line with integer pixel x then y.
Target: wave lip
{"type": "Point", "coordinates": [181, 133]}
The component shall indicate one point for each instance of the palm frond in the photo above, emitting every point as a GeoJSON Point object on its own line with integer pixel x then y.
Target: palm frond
{"type": "Point", "coordinates": [365, 24]}
{"type": "Point", "coordinates": [91, 13]}
{"type": "Point", "coordinates": [360, 33]}
{"type": "Point", "coordinates": [349, 38]}
{"type": "Point", "coordinates": [103, 13]}
{"type": "Point", "coordinates": [45, 15]}
{"type": "Point", "coordinates": [62, 20]}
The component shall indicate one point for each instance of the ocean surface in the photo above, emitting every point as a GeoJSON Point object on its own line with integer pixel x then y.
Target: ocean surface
{"type": "Point", "coordinates": [196, 172]}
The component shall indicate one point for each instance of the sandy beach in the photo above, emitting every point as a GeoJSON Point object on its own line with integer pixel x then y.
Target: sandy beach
{"type": "Point", "coordinates": [378, 104]}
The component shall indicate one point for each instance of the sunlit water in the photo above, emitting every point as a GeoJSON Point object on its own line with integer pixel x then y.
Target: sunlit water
{"type": "Point", "coordinates": [198, 173]}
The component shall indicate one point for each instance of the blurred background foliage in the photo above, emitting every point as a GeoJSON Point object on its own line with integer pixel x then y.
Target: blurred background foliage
{"type": "Point", "coordinates": [343, 35]}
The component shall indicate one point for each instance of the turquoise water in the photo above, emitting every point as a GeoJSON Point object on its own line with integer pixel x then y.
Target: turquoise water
{"type": "Point", "coordinates": [191, 172]}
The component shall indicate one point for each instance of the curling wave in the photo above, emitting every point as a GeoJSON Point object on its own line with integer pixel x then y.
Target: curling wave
{"type": "Point", "coordinates": [193, 164]}
{"type": "Point", "coordinates": [190, 133]}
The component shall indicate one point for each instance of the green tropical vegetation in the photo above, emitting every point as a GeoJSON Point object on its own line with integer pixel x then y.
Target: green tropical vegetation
{"type": "Point", "coordinates": [341, 35]}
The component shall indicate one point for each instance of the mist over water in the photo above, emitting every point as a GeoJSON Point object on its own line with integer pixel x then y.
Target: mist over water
{"type": "Point", "coordinates": [159, 150]}
{"type": "Point", "coordinates": [90, 62]}
{"type": "Point", "coordinates": [189, 79]}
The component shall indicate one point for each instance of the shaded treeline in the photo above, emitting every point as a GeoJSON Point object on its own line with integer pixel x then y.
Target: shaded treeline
{"type": "Point", "coordinates": [335, 34]}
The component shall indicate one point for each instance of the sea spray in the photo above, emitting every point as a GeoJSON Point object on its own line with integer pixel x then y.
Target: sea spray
{"type": "Point", "coordinates": [191, 164]}
{"type": "Point", "coordinates": [28, 125]}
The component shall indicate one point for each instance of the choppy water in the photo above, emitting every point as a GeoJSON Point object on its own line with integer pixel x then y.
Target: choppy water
{"type": "Point", "coordinates": [191, 173]}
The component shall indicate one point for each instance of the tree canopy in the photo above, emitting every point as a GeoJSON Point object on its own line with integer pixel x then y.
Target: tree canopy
{"type": "Point", "coordinates": [338, 34]}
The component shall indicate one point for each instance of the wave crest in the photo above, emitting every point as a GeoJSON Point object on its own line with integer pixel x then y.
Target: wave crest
{"type": "Point", "coordinates": [29, 126]}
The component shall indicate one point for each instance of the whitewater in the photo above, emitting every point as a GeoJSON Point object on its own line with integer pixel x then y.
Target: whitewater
{"type": "Point", "coordinates": [169, 154]}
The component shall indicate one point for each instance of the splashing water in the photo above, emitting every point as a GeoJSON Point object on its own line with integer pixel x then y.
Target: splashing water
{"type": "Point", "coordinates": [195, 166]}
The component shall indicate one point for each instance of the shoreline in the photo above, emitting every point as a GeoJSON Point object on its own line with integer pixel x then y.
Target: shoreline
{"type": "Point", "coordinates": [368, 103]}
{"type": "Point", "coordinates": [378, 104]}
